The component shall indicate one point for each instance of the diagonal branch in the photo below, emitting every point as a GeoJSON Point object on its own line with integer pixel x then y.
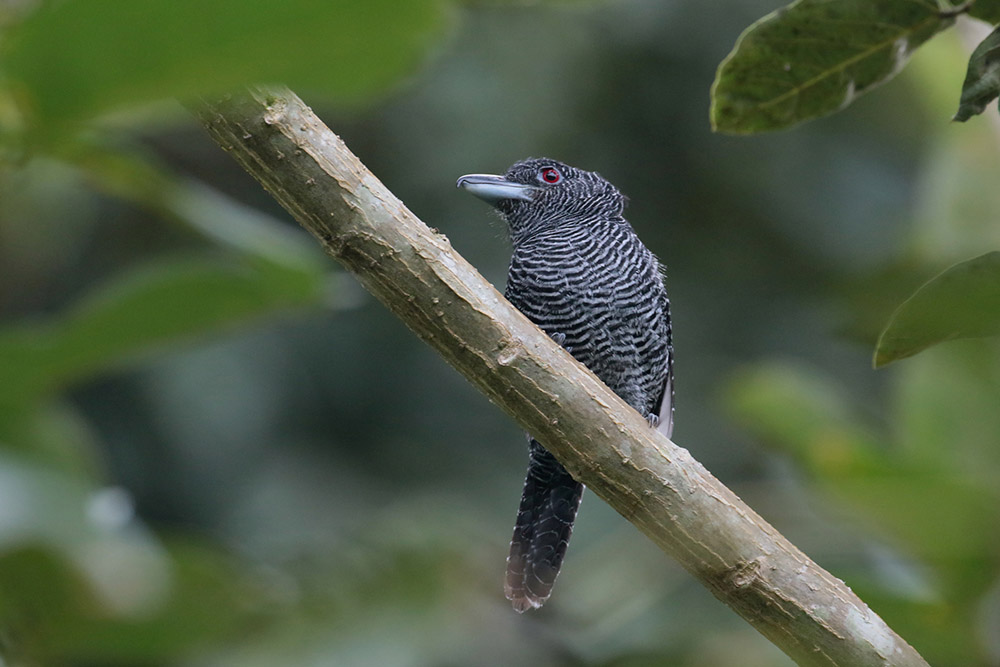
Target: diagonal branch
{"type": "Point", "coordinates": [659, 487]}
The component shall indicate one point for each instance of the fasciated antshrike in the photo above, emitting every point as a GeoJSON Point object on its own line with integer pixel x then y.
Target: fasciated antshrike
{"type": "Point", "coordinates": [583, 276]}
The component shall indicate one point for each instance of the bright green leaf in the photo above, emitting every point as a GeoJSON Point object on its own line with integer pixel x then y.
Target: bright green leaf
{"type": "Point", "coordinates": [815, 57]}
{"type": "Point", "coordinates": [982, 79]}
{"type": "Point", "coordinates": [962, 302]}
{"type": "Point", "coordinates": [73, 59]}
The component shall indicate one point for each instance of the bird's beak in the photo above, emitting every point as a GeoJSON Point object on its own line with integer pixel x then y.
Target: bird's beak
{"type": "Point", "coordinates": [493, 189]}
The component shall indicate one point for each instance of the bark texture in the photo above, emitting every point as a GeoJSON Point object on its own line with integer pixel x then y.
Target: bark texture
{"type": "Point", "coordinates": [807, 612]}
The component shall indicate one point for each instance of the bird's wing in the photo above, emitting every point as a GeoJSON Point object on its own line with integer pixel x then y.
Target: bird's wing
{"type": "Point", "coordinates": [666, 415]}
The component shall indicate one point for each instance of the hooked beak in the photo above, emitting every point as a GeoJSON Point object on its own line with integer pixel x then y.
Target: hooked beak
{"type": "Point", "coordinates": [493, 189]}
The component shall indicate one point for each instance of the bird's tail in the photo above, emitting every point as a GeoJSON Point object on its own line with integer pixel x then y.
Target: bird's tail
{"type": "Point", "coordinates": [541, 533]}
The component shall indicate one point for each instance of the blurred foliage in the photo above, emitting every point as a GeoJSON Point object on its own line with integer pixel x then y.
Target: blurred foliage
{"type": "Point", "coordinates": [155, 304]}
{"type": "Point", "coordinates": [962, 302]}
{"type": "Point", "coordinates": [926, 485]}
{"type": "Point", "coordinates": [216, 450]}
{"type": "Point", "coordinates": [984, 10]}
{"type": "Point", "coordinates": [814, 57]}
{"type": "Point", "coordinates": [179, 48]}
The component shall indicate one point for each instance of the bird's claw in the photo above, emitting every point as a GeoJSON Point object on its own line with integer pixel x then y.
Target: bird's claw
{"type": "Point", "coordinates": [560, 339]}
{"type": "Point", "coordinates": [654, 420]}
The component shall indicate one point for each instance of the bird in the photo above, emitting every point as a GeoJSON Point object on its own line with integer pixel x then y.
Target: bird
{"type": "Point", "coordinates": [580, 273]}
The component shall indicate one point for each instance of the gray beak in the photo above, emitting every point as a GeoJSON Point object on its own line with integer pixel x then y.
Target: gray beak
{"type": "Point", "coordinates": [493, 189]}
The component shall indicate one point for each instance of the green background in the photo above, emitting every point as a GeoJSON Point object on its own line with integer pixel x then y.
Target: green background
{"type": "Point", "coordinates": [216, 449]}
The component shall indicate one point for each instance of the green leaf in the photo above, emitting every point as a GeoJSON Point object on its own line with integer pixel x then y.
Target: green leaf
{"type": "Point", "coordinates": [161, 303]}
{"type": "Point", "coordinates": [986, 10]}
{"type": "Point", "coordinates": [73, 59]}
{"type": "Point", "coordinates": [815, 57]}
{"type": "Point", "coordinates": [942, 516]}
{"type": "Point", "coordinates": [99, 556]}
{"type": "Point", "coordinates": [982, 79]}
{"type": "Point", "coordinates": [142, 178]}
{"type": "Point", "coordinates": [962, 302]}
{"type": "Point", "coordinates": [144, 309]}
{"type": "Point", "coordinates": [208, 598]}
{"type": "Point", "coordinates": [798, 411]}
{"type": "Point", "coordinates": [946, 410]}
{"type": "Point", "coordinates": [919, 497]}
{"type": "Point", "coordinates": [53, 434]}
{"type": "Point", "coordinates": [82, 581]}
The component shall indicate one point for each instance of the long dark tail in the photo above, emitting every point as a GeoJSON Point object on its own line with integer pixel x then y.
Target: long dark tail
{"type": "Point", "coordinates": [541, 533]}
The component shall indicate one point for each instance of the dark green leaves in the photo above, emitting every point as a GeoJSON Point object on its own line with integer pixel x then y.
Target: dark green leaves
{"type": "Point", "coordinates": [114, 597]}
{"type": "Point", "coordinates": [962, 302]}
{"type": "Point", "coordinates": [986, 10]}
{"type": "Point", "coordinates": [82, 581]}
{"type": "Point", "coordinates": [982, 80]}
{"type": "Point", "coordinates": [918, 481]}
{"type": "Point", "coordinates": [139, 311]}
{"type": "Point", "coordinates": [814, 57]}
{"type": "Point", "coordinates": [73, 59]}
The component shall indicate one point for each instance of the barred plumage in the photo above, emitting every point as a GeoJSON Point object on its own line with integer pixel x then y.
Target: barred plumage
{"type": "Point", "coordinates": [581, 274]}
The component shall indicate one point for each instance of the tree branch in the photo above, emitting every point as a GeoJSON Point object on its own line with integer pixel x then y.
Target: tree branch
{"type": "Point", "coordinates": [659, 487]}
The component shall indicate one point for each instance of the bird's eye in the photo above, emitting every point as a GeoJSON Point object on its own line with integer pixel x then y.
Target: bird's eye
{"type": "Point", "coordinates": [550, 175]}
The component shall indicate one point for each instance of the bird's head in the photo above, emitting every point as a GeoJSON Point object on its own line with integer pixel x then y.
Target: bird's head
{"type": "Point", "coordinates": [539, 193]}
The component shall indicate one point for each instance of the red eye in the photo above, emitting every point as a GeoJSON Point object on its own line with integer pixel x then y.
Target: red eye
{"type": "Point", "coordinates": [550, 175]}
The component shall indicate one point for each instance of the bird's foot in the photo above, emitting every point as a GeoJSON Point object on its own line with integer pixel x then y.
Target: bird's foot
{"type": "Point", "coordinates": [654, 420]}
